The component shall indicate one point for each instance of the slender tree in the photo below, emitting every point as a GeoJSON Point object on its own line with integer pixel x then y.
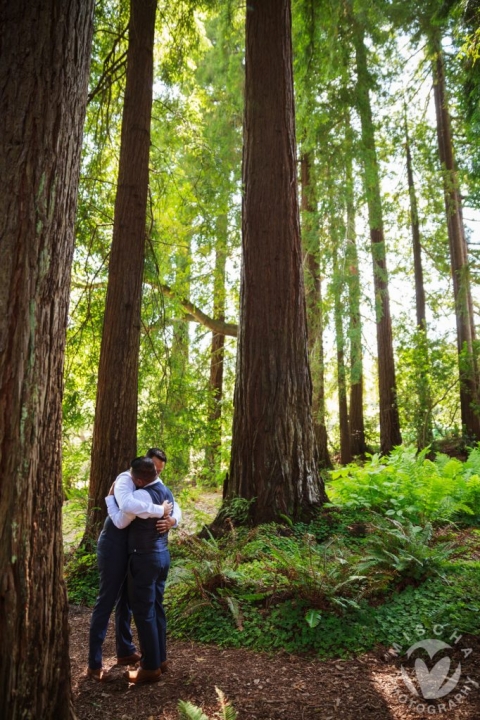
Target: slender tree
{"type": "Point", "coordinates": [114, 433]}
{"type": "Point", "coordinates": [313, 290]}
{"type": "Point", "coordinates": [389, 419]}
{"type": "Point", "coordinates": [469, 391]}
{"type": "Point", "coordinates": [338, 283]}
{"type": "Point", "coordinates": [217, 353]}
{"type": "Point", "coordinates": [424, 422]}
{"type": "Point", "coordinates": [274, 456]}
{"type": "Point", "coordinates": [358, 445]}
{"type": "Point", "coordinates": [43, 92]}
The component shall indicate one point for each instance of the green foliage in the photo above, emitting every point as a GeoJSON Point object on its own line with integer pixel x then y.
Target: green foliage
{"type": "Point", "coordinates": [81, 576]}
{"type": "Point", "coordinates": [404, 551]}
{"type": "Point", "coordinates": [324, 575]}
{"type": "Point", "coordinates": [188, 711]}
{"type": "Point", "coordinates": [74, 512]}
{"type": "Point", "coordinates": [408, 485]}
{"type": "Point", "coordinates": [236, 510]}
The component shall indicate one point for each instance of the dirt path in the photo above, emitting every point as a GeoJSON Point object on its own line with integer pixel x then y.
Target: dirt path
{"type": "Point", "coordinates": [266, 687]}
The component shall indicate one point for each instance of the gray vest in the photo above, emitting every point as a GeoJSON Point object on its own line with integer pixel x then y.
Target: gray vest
{"type": "Point", "coordinates": [143, 536]}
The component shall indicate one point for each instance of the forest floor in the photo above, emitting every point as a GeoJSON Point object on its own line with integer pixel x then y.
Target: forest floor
{"type": "Point", "coordinates": [263, 686]}
{"type": "Point", "coordinates": [266, 687]}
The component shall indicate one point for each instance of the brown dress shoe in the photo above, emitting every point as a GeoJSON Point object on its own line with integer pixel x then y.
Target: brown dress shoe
{"type": "Point", "coordinates": [129, 659]}
{"type": "Point", "coordinates": [100, 675]}
{"type": "Point", "coordinates": [143, 676]}
{"type": "Point", "coordinates": [164, 666]}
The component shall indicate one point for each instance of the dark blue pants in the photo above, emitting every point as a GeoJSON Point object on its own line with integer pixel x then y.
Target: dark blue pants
{"type": "Point", "coordinates": [146, 582]}
{"type": "Point", "coordinates": [112, 565]}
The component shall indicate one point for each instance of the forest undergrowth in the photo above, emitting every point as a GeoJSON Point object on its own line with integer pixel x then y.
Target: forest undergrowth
{"type": "Point", "coordinates": [395, 553]}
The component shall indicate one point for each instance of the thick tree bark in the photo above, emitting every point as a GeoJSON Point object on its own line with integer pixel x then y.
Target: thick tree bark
{"type": "Point", "coordinates": [45, 54]}
{"type": "Point", "coordinates": [115, 427]}
{"type": "Point", "coordinates": [389, 420]}
{"type": "Point", "coordinates": [469, 396]}
{"type": "Point", "coordinates": [313, 291]}
{"type": "Point", "coordinates": [358, 446]}
{"type": "Point", "coordinates": [274, 457]}
{"type": "Point", "coordinates": [212, 452]}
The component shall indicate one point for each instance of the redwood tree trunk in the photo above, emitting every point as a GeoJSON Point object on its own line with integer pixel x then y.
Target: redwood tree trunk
{"type": "Point", "coordinates": [114, 434]}
{"type": "Point", "coordinates": [274, 456]}
{"type": "Point", "coordinates": [313, 290]}
{"type": "Point", "coordinates": [458, 253]}
{"type": "Point", "coordinates": [389, 420]}
{"type": "Point", "coordinates": [45, 54]}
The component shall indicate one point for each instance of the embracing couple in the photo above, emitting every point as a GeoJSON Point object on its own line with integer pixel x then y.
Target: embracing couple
{"type": "Point", "coordinates": [133, 563]}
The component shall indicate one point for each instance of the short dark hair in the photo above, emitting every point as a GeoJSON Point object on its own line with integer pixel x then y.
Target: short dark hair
{"type": "Point", "coordinates": [144, 468]}
{"type": "Point", "coordinates": [155, 452]}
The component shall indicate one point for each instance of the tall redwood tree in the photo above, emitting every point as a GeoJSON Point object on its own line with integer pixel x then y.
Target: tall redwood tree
{"type": "Point", "coordinates": [387, 387]}
{"type": "Point", "coordinates": [44, 61]}
{"type": "Point", "coordinates": [274, 456]}
{"type": "Point", "coordinates": [115, 427]}
{"type": "Point", "coordinates": [468, 364]}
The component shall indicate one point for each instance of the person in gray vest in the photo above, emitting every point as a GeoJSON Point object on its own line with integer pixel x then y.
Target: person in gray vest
{"type": "Point", "coordinates": [149, 562]}
{"type": "Point", "coordinates": [112, 552]}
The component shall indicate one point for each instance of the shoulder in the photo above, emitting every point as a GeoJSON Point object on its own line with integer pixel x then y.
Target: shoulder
{"type": "Point", "coordinates": [124, 480]}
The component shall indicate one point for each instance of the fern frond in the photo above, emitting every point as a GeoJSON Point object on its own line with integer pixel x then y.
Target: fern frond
{"type": "Point", "coordinates": [187, 711]}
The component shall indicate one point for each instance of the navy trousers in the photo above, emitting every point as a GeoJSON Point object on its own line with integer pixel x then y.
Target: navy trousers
{"type": "Point", "coordinates": [147, 574]}
{"type": "Point", "coordinates": [112, 559]}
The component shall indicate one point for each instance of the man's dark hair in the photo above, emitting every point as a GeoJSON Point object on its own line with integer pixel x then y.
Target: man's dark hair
{"type": "Point", "coordinates": [143, 468]}
{"type": "Point", "coordinates": [155, 452]}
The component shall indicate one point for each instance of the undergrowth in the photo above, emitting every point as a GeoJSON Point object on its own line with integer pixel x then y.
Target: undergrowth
{"type": "Point", "coordinates": [381, 560]}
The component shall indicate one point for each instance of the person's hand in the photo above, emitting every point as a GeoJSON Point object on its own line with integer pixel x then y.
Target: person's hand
{"type": "Point", "coordinates": [110, 492]}
{"type": "Point", "coordinates": [167, 508]}
{"type": "Point", "coordinates": [165, 524]}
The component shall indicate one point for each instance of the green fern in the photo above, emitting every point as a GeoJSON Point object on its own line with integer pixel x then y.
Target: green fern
{"type": "Point", "coordinates": [403, 550]}
{"type": "Point", "coordinates": [188, 711]}
{"type": "Point", "coordinates": [407, 485]}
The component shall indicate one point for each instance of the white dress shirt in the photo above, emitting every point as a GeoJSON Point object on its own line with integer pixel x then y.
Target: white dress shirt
{"type": "Point", "coordinates": [127, 503]}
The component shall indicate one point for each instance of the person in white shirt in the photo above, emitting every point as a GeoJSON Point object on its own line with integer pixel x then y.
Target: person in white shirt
{"type": "Point", "coordinates": [123, 505]}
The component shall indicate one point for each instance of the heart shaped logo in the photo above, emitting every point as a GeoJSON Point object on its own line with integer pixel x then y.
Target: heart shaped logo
{"type": "Point", "coordinates": [434, 683]}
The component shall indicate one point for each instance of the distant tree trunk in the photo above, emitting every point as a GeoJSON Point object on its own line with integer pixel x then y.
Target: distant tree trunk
{"type": "Point", "coordinates": [45, 54]}
{"type": "Point", "coordinates": [115, 427]}
{"type": "Point", "coordinates": [358, 445]}
{"type": "Point", "coordinates": [389, 420]}
{"type": "Point", "coordinates": [274, 457]}
{"type": "Point", "coordinates": [313, 291]}
{"type": "Point", "coordinates": [469, 396]}
{"type": "Point", "coordinates": [177, 402]}
{"type": "Point", "coordinates": [338, 281]}
{"type": "Point", "coordinates": [212, 452]}
{"type": "Point", "coordinates": [420, 304]}
{"type": "Point", "coordinates": [424, 422]}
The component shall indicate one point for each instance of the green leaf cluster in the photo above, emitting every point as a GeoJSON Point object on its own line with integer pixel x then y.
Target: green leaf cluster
{"type": "Point", "coordinates": [409, 485]}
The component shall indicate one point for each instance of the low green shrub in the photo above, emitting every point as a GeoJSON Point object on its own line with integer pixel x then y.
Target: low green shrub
{"type": "Point", "coordinates": [406, 484]}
